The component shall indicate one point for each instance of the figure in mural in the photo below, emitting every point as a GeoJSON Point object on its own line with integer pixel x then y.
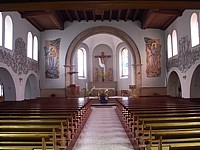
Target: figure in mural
{"type": "Point", "coordinates": [52, 56]}
{"type": "Point", "coordinates": [153, 49]}
{"type": "Point", "coordinates": [96, 74]}
{"type": "Point", "coordinates": [110, 74]}
{"type": "Point", "coordinates": [52, 48]}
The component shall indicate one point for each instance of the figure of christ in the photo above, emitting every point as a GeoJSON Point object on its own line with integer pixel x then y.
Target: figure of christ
{"type": "Point", "coordinates": [102, 59]}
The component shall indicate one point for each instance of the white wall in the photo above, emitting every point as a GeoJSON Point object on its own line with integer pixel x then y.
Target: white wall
{"type": "Point", "coordinates": [20, 29]}
{"type": "Point", "coordinates": [182, 26]}
{"type": "Point", "coordinates": [73, 29]}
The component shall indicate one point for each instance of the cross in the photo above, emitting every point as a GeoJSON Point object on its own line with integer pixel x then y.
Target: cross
{"type": "Point", "coordinates": [102, 57]}
{"type": "Point", "coordinates": [102, 63]}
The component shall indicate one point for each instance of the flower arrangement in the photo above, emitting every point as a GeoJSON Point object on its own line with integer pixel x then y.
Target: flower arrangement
{"type": "Point", "coordinates": [103, 96]}
{"type": "Point", "coordinates": [103, 76]}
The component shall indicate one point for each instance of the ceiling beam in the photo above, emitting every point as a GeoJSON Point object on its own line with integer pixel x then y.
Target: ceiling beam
{"type": "Point", "coordinates": [146, 19]}
{"type": "Point", "coordinates": [102, 18]}
{"type": "Point", "coordinates": [32, 14]}
{"type": "Point", "coordinates": [135, 13]}
{"type": "Point", "coordinates": [85, 15]}
{"type": "Point", "coordinates": [77, 16]}
{"type": "Point", "coordinates": [110, 16]}
{"type": "Point", "coordinates": [127, 14]}
{"type": "Point", "coordinates": [118, 16]}
{"type": "Point", "coordinates": [35, 23]}
{"type": "Point", "coordinates": [168, 12]}
{"type": "Point", "coordinates": [69, 16]}
{"type": "Point", "coordinates": [106, 4]}
{"type": "Point", "coordinates": [168, 23]}
{"type": "Point", "coordinates": [94, 16]}
{"type": "Point", "coordinates": [57, 20]}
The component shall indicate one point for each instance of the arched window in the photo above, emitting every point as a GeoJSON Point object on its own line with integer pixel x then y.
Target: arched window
{"type": "Point", "coordinates": [8, 33]}
{"type": "Point", "coordinates": [81, 57]}
{"type": "Point", "coordinates": [30, 45]}
{"type": "Point", "coordinates": [1, 89]}
{"type": "Point", "coordinates": [174, 43]}
{"type": "Point", "coordinates": [194, 26]}
{"type": "Point", "coordinates": [1, 29]}
{"type": "Point", "coordinates": [169, 46]}
{"type": "Point", "coordinates": [35, 48]}
{"type": "Point", "coordinates": [124, 63]}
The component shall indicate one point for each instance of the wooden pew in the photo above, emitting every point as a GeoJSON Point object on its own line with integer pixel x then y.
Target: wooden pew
{"type": "Point", "coordinates": [42, 116]}
{"type": "Point", "coordinates": [134, 114]}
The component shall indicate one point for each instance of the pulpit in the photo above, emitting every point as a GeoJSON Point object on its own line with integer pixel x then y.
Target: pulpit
{"type": "Point", "coordinates": [73, 91]}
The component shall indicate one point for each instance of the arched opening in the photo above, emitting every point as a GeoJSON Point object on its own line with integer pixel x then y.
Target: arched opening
{"type": "Point", "coordinates": [9, 92]}
{"type": "Point", "coordinates": [32, 87]}
{"type": "Point", "coordinates": [195, 84]}
{"type": "Point", "coordinates": [1, 91]}
{"type": "Point", "coordinates": [174, 85]}
{"type": "Point", "coordinates": [107, 30]}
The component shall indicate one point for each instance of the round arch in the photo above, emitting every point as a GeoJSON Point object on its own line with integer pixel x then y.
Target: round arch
{"type": "Point", "coordinates": [9, 85]}
{"type": "Point", "coordinates": [174, 85]}
{"type": "Point", "coordinates": [195, 83]}
{"type": "Point", "coordinates": [108, 30]}
{"type": "Point", "coordinates": [31, 87]}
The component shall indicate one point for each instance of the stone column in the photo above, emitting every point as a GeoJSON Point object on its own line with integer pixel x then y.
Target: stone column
{"type": "Point", "coordinates": [138, 79]}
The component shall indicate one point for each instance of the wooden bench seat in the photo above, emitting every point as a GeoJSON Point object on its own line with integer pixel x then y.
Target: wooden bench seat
{"type": "Point", "coordinates": [176, 123]}
{"type": "Point", "coordinates": [42, 124]}
{"type": "Point", "coordinates": [29, 148]}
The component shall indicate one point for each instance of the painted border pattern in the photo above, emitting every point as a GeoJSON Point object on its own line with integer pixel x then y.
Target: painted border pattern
{"type": "Point", "coordinates": [19, 62]}
{"type": "Point", "coordinates": [187, 56]}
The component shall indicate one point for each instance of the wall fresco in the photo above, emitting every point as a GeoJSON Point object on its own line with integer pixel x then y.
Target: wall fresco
{"type": "Point", "coordinates": [18, 61]}
{"type": "Point", "coordinates": [52, 49]}
{"type": "Point", "coordinates": [153, 55]}
{"type": "Point", "coordinates": [186, 57]}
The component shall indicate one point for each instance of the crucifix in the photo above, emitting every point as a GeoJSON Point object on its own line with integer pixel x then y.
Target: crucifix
{"type": "Point", "coordinates": [102, 59]}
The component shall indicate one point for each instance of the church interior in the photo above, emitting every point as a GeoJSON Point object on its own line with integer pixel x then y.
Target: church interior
{"type": "Point", "coordinates": [99, 75]}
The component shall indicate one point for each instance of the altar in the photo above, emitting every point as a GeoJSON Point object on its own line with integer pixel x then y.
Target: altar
{"type": "Point", "coordinates": [96, 87]}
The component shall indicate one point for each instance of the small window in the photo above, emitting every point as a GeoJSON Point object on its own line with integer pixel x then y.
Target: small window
{"type": "Point", "coordinates": [174, 43]}
{"type": "Point", "coordinates": [124, 63]}
{"type": "Point", "coordinates": [1, 30]}
{"type": "Point", "coordinates": [30, 45]}
{"type": "Point", "coordinates": [169, 46]}
{"type": "Point", "coordinates": [35, 48]}
{"type": "Point", "coordinates": [1, 90]}
{"type": "Point", "coordinates": [194, 26]}
{"type": "Point", "coordinates": [8, 33]}
{"type": "Point", "coordinates": [81, 57]}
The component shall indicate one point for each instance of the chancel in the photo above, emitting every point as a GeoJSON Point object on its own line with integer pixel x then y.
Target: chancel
{"type": "Point", "coordinates": [59, 58]}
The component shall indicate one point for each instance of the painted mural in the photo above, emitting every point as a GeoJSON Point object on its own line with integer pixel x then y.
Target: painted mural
{"type": "Point", "coordinates": [52, 49]}
{"type": "Point", "coordinates": [18, 61]}
{"type": "Point", "coordinates": [187, 56]}
{"type": "Point", "coordinates": [153, 56]}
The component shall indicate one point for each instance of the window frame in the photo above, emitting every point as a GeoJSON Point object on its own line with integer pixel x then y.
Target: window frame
{"type": "Point", "coordinates": [1, 29]}
{"type": "Point", "coordinates": [194, 29]}
{"type": "Point", "coordinates": [169, 46]}
{"type": "Point", "coordinates": [8, 34]}
{"type": "Point", "coordinates": [121, 59]}
{"type": "Point", "coordinates": [174, 43]}
{"type": "Point", "coordinates": [35, 48]}
{"type": "Point", "coordinates": [83, 62]}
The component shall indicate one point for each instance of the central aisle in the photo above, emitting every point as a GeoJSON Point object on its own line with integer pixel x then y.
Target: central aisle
{"type": "Point", "coordinates": [103, 131]}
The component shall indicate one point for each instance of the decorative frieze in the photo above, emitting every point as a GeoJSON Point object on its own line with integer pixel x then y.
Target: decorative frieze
{"type": "Point", "coordinates": [18, 61]}
{"type": "Point", "coordinates": [186, 57]}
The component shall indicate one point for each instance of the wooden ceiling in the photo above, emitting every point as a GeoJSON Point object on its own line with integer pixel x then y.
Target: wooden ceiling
{"type": "Point", "coordinates": [52, 14]}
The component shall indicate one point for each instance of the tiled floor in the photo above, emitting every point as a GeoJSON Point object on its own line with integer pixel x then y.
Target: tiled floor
{"type": "Point", "coordinates": [103, 131]}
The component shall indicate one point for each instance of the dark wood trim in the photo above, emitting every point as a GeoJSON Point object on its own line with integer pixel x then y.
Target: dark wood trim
{"type": "Point", "coordinates": [108, 4]}
{"type": "Point", "coordinates": [110, 16]}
